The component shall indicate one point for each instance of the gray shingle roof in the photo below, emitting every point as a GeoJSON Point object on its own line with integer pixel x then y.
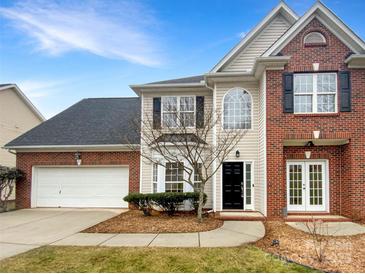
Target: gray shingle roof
{"type": "Point", "coordinates": [185, 80]}
{"type": "Point", "coordinates": [94, 121]}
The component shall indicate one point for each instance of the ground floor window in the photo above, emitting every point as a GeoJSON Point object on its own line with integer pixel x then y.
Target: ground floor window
{"type": "Point", "coordinates": [155, 177]}
{"type": "Point", "coordinates": [197, 179]}
{"type": "Point", "coordinates": [174, 176]}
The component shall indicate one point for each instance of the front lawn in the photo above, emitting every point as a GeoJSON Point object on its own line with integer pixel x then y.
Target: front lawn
{"type": "Point", "coordinates": [110, 259]}
{"type": "Point", "coordinates": [133, 221]}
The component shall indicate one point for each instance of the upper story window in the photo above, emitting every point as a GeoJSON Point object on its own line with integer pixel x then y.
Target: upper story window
{"type": "Point", "coordinates": [178, 111]}
{"type": "Point", "coordinates": [237, 109]}
{"type": "Point", "coordinates": [314, 38]}
{"type": "Point", "coordinates": [315, 93]}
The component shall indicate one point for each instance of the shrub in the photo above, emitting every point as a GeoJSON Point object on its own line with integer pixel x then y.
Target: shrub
{"type": "Point", "coordinates": [8, 177]}
{"type": "Point", "coordinates": [167, 201]}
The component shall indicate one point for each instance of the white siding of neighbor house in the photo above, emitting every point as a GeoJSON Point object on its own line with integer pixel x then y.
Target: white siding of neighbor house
{"type": "Point", "coordinates": [249, 144]}
{"type": "Point", "coordinates": [146, 166]}
{"type": "Point", "coordinates": [260, 187]}
{"type": "Point", "coordinates": [245, 59]}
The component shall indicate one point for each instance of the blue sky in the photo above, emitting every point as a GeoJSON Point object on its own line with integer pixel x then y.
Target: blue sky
{"type": "Point", "coordinates": [59, 52]}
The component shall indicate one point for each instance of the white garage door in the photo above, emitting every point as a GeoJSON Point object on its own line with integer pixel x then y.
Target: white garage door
{"type": "Point", "coordinates": [80, 186]}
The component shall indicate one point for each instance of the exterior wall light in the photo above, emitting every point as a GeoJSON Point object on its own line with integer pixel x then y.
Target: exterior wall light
{"type": "Point", "coordinates": [78, 158]}
{"type": "Point", "coordinates": [237, 153]}
{"type": "Point", "coordinates": [316, 134]}
{"type": "Point", "coordinates": [307, 154]}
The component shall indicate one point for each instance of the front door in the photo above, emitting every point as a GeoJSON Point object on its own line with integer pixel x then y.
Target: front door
{"type": "Point", "coordinates": [232, 185]}
{"type": "Point", "coordinates": [306, 186]}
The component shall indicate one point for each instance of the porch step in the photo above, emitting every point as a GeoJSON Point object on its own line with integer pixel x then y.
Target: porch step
{"type": "Point", "coordinates": [323, 217]}
{"type": "Point", "coordinates": [240, 216]}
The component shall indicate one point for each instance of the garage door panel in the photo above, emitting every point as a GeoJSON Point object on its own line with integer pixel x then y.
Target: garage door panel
{"type": "Point", "coordinates": [81, 186]}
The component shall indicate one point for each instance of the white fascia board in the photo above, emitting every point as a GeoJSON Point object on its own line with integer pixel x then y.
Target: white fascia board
{"type": "Point", "coordinates": [74, 147]}
{"type": "Point", "coordinates": [356, 61]}
{"type": "Point", "coordinates": [287, 12]}
{"type": "Point", "coordinates": [25, 100]}
{"type": "Point", "coordinates": [321, 10]}
{"type": "Point", "coordinates": [152, 87]}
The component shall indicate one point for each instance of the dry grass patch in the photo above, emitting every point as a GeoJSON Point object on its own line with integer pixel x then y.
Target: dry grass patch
{"type": "Point", "coordinates": [134, 221]}
{"type": "Point", "coordinates": [108, 259]}
{"type": "Point", "coordinates": [342, 254]}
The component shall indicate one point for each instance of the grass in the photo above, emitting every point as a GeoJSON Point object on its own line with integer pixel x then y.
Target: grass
{"type": "Point", "coordinates": [116, 259]}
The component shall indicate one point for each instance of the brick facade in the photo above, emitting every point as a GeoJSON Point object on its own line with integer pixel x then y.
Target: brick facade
{"type": "Point", "coordinates": [347, 162]}
{"type": "Point", "coordinates": [26, 160]}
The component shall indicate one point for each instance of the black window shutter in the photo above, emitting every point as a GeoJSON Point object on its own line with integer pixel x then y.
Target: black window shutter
{"type": "Point", "coordinates": [345, 91]}
{"type": "Point", "coordinates": [288, 92]}
{"type": "Point", "coordinates": [199, 111]}
{"type": "Point", "coordinates": [157, 112]}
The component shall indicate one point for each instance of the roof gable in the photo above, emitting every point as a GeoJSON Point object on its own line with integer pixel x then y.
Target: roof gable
{"type": "Point", "coordinates": [24, 98]}
{"type": "Point", "coordinates": [329, 20]}
{"type": "Point", "coordinates": [280, 19]}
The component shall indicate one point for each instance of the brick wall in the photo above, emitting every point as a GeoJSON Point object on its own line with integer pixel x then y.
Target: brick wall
{"type": "Point", "coordinates": [25, 162]}
{"type": "Point", "coordinates": [347, 190]}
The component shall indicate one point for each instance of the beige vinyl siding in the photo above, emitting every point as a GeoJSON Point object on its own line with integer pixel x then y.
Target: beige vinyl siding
{"type": "Point", "coordinates": [260, 186]}
{"type": "Point", "coordinates": [245, 59]}
{"type": "Point", "coordinates": [248, 146]}
{"type": "Point", "coordinates": [146, 166]}
{"type": "Point", "coordinates": [15, 119]}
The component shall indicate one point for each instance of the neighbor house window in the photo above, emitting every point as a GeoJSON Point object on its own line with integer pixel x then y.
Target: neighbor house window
{"type": "Point", "coordinates": [174, 177]}
{"type": "Point", "coordinates": [237, 108]}
{"type": "Point", "coordinates": [197, 179]}
{"type": "Point", "coordinates": [154, 177]}
{"type": "Point", "coordinates": [178, 111]}
{"type": "Point", "coordinates": [315, 93]}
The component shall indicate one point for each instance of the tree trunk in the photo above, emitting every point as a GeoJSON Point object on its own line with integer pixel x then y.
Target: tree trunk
{"type": "Point", "coordinates": [200, 206]}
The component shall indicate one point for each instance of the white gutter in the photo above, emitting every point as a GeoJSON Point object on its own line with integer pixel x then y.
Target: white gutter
{"type": "Point", "coordinates": [121, 146]}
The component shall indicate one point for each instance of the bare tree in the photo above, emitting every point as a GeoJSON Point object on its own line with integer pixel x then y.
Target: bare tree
{"type": "Point", "coordinates": [180, 139]}
{"type": "Point", "coordinates": [318, 231]}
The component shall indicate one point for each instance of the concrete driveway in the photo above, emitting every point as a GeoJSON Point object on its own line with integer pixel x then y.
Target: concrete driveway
{"type": "Point", "coordinates": [26, 229]}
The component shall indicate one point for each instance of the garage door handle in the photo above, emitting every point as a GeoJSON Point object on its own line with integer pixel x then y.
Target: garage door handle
{"type": "Point", "coordinates": [59, 192]}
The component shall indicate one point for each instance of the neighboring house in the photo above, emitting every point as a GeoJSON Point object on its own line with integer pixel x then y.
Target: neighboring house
{"type": "Point", "coordinates": [296, 84]}
{"type": "Point", "coordinates": [17, 116]}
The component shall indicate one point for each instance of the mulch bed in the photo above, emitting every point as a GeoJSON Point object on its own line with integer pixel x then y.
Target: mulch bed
{"type": "Point", "coordinates": [342, 254]}
{"type": "Point", "coordinates": [134, 221]}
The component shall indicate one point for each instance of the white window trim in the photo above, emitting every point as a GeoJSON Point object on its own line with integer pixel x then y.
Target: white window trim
{"type": "Point", "coordinates": [178, 109]}
{"type": "Point", "coordinates": [315, 93]}
{"type": "Point", "coordinates": [251, 111]}
{"type": "Point", "coordinates": [316, 32]}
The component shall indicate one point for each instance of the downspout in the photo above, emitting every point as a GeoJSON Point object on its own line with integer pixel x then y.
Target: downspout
{"type": "Point", "coordinates": [214, 180]}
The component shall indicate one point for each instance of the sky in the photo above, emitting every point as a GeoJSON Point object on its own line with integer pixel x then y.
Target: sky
{"type": "Point", "coordinates": [59, 52]}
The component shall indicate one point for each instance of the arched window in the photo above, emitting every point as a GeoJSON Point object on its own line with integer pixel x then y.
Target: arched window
{"type": "Point", "coordinates": [314, 38]}
{"type": "Point", "coordinates": [237, 108]}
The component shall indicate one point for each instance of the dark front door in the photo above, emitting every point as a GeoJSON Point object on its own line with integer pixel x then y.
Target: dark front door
{"type": "Point", "coordinates": [232, 188]}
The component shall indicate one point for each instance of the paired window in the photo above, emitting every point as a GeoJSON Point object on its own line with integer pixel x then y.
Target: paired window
{"type": "Point", "coordinates": [237, 109]}
{"type": "Point", "coordinates": [174, 177]}
{"type": "Point", "coordinates": [315, 93]}
{"type": "Point", "coordinates": [178, 111]}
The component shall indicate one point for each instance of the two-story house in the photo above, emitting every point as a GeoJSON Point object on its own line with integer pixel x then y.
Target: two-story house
{"type": "Point", "coordinates": [296, 85]}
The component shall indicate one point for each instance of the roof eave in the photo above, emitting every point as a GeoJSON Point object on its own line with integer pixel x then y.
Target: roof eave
{"type": "Point", "coordinates": [107, 147]}
{"type": "Point", "coordinates": [152, 87]}
{"type": "Point", "coordinates": [356, 61]}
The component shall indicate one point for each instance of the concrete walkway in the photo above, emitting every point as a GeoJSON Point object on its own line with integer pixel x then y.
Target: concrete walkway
{"type": "Point", "coordinates": [232, 233]}
{"type": "Point", "coordinates": [23, 230]}
{"type": "Point", "coordinates": [331, 228]}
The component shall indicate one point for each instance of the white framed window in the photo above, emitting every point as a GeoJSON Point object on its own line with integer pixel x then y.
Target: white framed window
{"type": "Point", "coordinates": [237, 109]}
{"type": "Point", "coordinates": [174, 175]}
{"type": "Point", "coordinates": [314, 38]}
{"type": "Point", "coordinates": [154, 177]}
{"type": "Point", "coordinates": [315, 93]}
{"type": "Point", "coordinates": [178, 111]}
{"type": "Point", "coordinates": [197, 179]}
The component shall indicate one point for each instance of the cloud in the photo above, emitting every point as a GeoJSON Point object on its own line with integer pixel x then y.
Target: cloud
{"type": "Point", "coordinates": [112, 29]}
{"type": "Point", "coordinates": [39, 89]}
